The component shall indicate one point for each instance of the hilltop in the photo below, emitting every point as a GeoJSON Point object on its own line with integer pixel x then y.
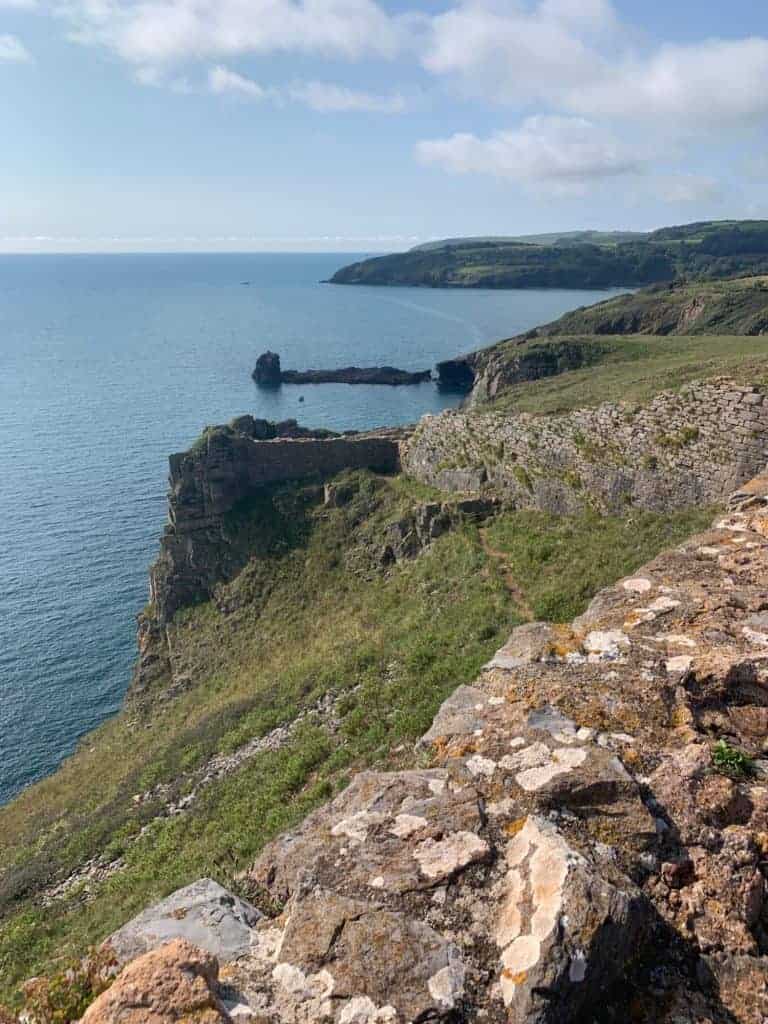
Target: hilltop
{"type": "Point", "coordinates": [713, 249]}
{"type": "Point", "coordinates": [547, 238]}
{"type": "Point", "coordinates": [670, 332]}
{"type": "Point", "coordinates": [735, 307]}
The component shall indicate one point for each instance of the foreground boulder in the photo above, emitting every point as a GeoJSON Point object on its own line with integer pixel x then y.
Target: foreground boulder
{"type": "Point", "coordinates": [203, 913]}
{"type": "Point", "coordinates": [176, 982]}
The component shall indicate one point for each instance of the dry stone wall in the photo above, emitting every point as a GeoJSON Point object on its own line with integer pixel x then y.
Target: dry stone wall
{"type": "Point", "coordinates": [689, 447]}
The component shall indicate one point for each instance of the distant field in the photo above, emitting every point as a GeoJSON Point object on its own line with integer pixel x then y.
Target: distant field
{"type": "Point", "coordinates": [634, 368]}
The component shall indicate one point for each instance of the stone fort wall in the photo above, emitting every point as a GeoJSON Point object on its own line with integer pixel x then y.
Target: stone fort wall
{"type": "Point", "coordinates": [689, 447]}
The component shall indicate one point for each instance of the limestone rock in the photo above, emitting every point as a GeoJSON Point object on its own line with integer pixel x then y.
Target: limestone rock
{"type": "Point", "coordinates": [203, 913]}
{"type": "Point", "coordinates": [564, 932]}
{"type": "Point", "coordinates": [176, 982]}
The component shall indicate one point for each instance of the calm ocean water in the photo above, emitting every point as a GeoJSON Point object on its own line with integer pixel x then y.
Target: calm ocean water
{"type": "Point", "coordinates": [108, 364]}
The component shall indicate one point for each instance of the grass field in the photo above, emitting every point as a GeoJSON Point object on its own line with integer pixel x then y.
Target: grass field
{"type": "Point", "coordinates": [635, 368]}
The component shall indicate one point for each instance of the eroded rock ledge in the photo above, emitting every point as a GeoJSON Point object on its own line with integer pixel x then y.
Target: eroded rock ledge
{"type": "Point", "coordinates": [572, 851]}
{"type": "Point", "coordinates": [268, 374]}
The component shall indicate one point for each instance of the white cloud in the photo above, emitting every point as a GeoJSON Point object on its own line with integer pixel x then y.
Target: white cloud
{"type": "Point", "coordinates": [555, 154]}
{"type": "Point", "coordinates": [686, 188]}
{"type": "Point", "coordinates": [13, 50]}
{"type": "Point", "coordinates": [325, 97]}
{"type": "Point", "coordinates": [222, 80]}
{"type": "Point", "coordinates": [575, 56]}
{"type": "Point", "coordinates": [513, 53]}
{"type": "Point", "coordinates": [159, 31]}
{"type": "Point", "coordinates": [702, 83]}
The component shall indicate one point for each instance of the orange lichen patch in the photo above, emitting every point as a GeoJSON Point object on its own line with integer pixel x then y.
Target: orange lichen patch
{"type": "Point", "coordinates": [634, 618]}
{"type": "Point", "coordinates": [461, 747]}
{"type": "Point", "coordinates": [757, 485]}
{"type": "Point", "coordinates": [566, 641]}
{"type": "Point", "coordinates": [760, 525]}
{"type": "Point", "coordinates": [516, 979]}
{"type": "Point", "coordinates": [513, 827]}
{"type": "Point", "coordinates": [761, 839]}
{"type": "Point", "coordinates": [681, 716]}
{"type": "Point", "coordinates": [630, 757]}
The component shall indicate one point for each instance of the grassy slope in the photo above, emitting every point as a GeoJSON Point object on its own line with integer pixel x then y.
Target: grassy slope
{"type": "Point", "coordinates": [738, 306]}
{"type": "Point", "coordinates": [634, 369]}
{"type": "Point", "coordinates": [311, 616]}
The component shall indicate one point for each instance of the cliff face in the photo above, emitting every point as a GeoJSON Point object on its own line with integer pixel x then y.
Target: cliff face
{"type": "Point", "coordinates": [691, 447]}
{"type": "Point", "coordinates": [586, 842]}
{"type": "Point", "coordinates": [201, 546]}
{"type": "Point", "coordinates": [489, 371]}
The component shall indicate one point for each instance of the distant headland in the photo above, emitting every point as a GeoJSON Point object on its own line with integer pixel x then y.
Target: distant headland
{"type": "Point", "coordinates": [582, 259]}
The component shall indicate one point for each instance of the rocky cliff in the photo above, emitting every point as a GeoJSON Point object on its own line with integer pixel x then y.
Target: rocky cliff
{"type": "Point", "coordinates": [585, 840]}
{"type": "Point", "coordinates": [726, 309]}
{"type": "Point", "coordinates": [683, 448]}
{"type": "Point", "coordinates": [489, 371]}
{"type": "Point", "coordinates": [203, 543]}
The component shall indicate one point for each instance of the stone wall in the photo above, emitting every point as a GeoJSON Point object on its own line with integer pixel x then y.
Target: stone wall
{"type": "Point", "coordinates": [689, 447]}
{"type": "Point", "coordinates": [223, 470]}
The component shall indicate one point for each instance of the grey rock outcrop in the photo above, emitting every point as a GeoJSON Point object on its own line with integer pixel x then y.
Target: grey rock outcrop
{"type": "Point", "coordinates": [268, 374]}
{"type": "Point", "coordinates": [203, 913]}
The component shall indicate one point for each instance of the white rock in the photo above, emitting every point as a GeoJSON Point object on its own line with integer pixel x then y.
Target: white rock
{"type": "Point", "coordinates": [606, 643]}
{"type": "Point", "coordinates": [406, 824]}
{"type": "Point", "coordinates": [479, 765]}
{"type": "Point", "coordinates": [679, 664]}
{"type": "Point", "coordinates": [441, 858]}
{"type": "Point", "coordinates": [637, 585]}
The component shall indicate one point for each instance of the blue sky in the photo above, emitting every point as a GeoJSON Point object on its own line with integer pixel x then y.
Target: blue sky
{"type": "Point", "coordinates": [354, 125]}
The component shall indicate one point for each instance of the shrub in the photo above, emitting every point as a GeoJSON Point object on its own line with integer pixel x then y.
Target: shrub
{"type": "Point", "coordinates": [728, 760]}
{"type": "Point", "coordinates": [64, 997]}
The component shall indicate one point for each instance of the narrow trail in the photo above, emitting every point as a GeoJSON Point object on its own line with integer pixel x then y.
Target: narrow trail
{"type": "Point", "coordinates": [513, 587]}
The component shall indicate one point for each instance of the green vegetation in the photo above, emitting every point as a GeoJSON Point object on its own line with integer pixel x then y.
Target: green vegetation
{"type": "Point", "coordinates": [728, 760]}
{"type": "Point", "coordinates": [66, 995]}
{"type": "Point", "coordinates": [560, 562]}
{"type": "Point", "coordinates": [313, 615]}
{"type": "Point", "coordinates": [716, 249]}
{"type": "Point", "coordinates": [737, 306]}
{"type": "Point", "coordinates": [633, 369]}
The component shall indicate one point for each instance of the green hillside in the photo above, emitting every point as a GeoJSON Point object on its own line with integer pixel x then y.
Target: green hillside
{"type": "Point", "coordinates": [716, 249]}
{"type": "Point", "coordinates": [734, 307]}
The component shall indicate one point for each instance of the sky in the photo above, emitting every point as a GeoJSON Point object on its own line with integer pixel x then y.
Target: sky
{"type": "Point", "coordinates": [365, 126]}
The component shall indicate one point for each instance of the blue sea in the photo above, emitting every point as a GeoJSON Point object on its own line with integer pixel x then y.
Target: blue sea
{"type": "Point", "coordinates": [108, 364]}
